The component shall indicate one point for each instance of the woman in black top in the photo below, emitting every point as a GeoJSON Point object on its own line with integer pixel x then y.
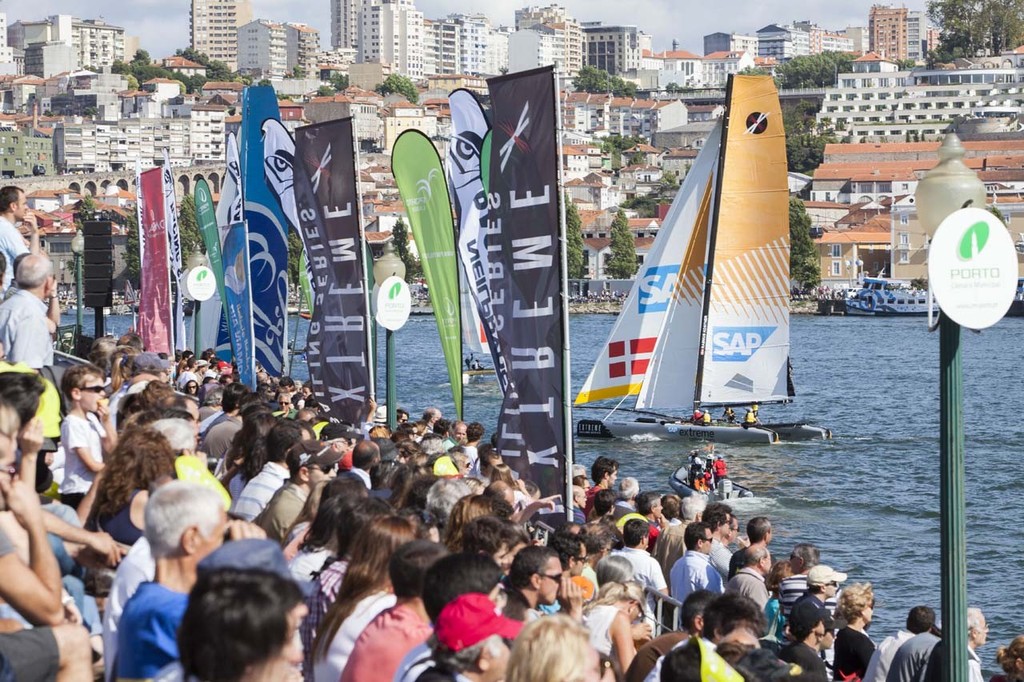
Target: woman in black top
{"type": "Point", "coordinates": [853, 647]}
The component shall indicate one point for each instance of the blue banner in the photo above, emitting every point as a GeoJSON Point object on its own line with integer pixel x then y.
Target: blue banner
{"type": "Point", "coordinates": [238, 303]}
{"type": "Point", "coordinates": [267, 230]}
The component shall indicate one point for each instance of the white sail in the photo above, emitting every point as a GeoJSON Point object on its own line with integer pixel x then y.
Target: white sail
{"type": "Point", "coordinates": [746, 331]}
{"type": "Point", "coordinates": [626, 357]}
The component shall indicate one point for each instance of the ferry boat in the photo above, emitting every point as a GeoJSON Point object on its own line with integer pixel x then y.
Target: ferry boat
{"type": "Point", "coordinates": [887, 297]}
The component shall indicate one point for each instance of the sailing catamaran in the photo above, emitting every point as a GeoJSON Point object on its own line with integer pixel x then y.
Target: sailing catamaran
{"type": "Point", "coordinates": [707, 320]}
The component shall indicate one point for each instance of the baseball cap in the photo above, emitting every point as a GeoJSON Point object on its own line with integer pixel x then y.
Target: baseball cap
{"type": "Point", "coordinates": [252, 554]}
{"type": "Point", "coordinates": [150, 363]}
{"type": "Point", "coordinates": [312, 453]}
{"type": "Point", "coordinates": [471, 618]}
{"type": "Point", "coordinates": [806, 615]}
{"type": "Point", "coordinates": [333, 431]}
{"type": "Point", "coordinates": [823, 575]}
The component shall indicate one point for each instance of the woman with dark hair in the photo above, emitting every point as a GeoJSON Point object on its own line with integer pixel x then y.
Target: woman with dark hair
{"type": "Point", "coordinates": [321, 540]}
{"type": "Point", "coordinates": [248, 452]}
{"type": "Point", "coordinates": [364, 593]}
{"type": "Point", "coordinates": [191, 388]}
{"type": "Point", "coordinates": [143, 456]}
{"type": "Point", "coordinates": [241, 626]}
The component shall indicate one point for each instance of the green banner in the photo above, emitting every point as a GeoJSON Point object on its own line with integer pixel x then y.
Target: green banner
{"type": "Point", "coordinates": [421, 181]}
{"type": "Point", "coordinates": [206, 216]}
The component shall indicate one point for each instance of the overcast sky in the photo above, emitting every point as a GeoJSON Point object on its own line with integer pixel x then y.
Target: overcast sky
{"type": "Point", "coordinates": [162, 25]}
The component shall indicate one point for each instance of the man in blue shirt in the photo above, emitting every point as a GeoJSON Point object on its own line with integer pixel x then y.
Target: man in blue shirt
{"type": "Point", "coordinates": [14, 211]}
{"type": "Point", "coordinates": [184, 523]}
{"type": "Point", "coordinates": [693, 571]}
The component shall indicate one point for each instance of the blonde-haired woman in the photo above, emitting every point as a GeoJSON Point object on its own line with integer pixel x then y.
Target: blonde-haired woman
{"type": "Point", "coordinates": [853, 647]}
{"type": "Point", "coordinates": [1011, 660]}
{"type": "Point", "coordinates": [609, 618]}
{"type": "Point", "coordinates": [553, 649]}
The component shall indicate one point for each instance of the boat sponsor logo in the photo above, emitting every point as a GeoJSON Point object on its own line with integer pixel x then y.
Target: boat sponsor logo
{"type": "Point", "coordinates": [656, 288]}
{"type": "Point", "coordinates": [741, 383]}
{"type": "Point", "coordinates": [973, 240]}
{"type": "Point", "coordinates": [757, 122]}
{"type": "Point", "coordinates": [630, 357]}
{"type": "Point", "coordinates": [737, 344]}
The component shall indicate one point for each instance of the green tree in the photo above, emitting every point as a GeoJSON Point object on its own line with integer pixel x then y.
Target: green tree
{"type": "Point", "coordinates": [804, 265]}
{"type": "Point", "coordinates": [298, 72]}
{"type": "Point", "coordinates": [325, 91]}
{"type": "Point", "coordinates": [574, 256]}
{"type": "Point", "coordinates": [133, 82]}
{"type": "Point", "coordinates": [400, 236]}
{"type": "Point", "coordinates": [141, 58]}
{"type": "Point", "coordinates": [264, 82]}
{"type": "Point", "coordinates": [805, 139]}
{"type": "Point", "coordinates": [131, 254]}
{"type": "Point", "coordinates": [402, 85]}
{"type": "Point", "coordinates": [973, 27]}
{"type": "Point", "coordinates": [813, 71]}
{"type": "Point", "coordinates": [339, 82]}
{"type": "Point", "coordinates": [622, 263]}
{"type": "Point", "coordinates": [753, 71]}
{"type": "Point", "coordinates": [188, 227]}
{"type": "Point", "coordinates": [294, 257]}
{"type": "Point", "coordinates": [86, 209]}
{"type": "Point", "coordinates": [595, 80]}
{"type": "Point", "coordinates": [646, 206]}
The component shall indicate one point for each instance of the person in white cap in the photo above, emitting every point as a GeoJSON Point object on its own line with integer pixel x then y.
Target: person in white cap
{"type": "Point", "coordinates": [822, 584]}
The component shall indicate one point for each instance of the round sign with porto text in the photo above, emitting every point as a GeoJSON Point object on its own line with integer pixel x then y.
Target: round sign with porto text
{"type": "Point", "coordinates": [972, 268]}
{"type": "Point", "coordinates": [393, 303]}
{"type": "Point", "coordinates": [200, 284]}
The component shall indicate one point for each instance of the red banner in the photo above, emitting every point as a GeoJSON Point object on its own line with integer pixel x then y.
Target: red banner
{"type": "Point", "coordinates": [155, 296]}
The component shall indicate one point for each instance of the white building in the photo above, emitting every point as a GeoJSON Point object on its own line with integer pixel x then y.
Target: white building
{"type": "Point", "coordinates": [917, 36]}
{"type": "Point", "coordinates": [214, 28]}
{"type": "Point", "coordinates": [730, 42]}
{"type": "Point", "coordinates": [392, 32]}
{"type": "Point", "coordinates": [263, 49]}
{"type": "Point", "coordinates": [532, 47]}
{"type": "Point", "coordinates": [302, 43]}
{"type": "Point", "coordinates": [345, 23]}
{"type": "Point", "coordinates": [95, 42]}
{"type": "Point", "coordinates": [860, 38]}
{"type": "Point", "coordinates": [782, 42]}
{"type": "Point", "coordinates": [615, 49]}
{"type": "Point", "coordinates": [661, 69]}
{"type": "Point", "coordinates": [497, 50]}
{"type": "Point", "coordinates": [567, 27]}
{"type": "Point", "coordinates": [719, 65]}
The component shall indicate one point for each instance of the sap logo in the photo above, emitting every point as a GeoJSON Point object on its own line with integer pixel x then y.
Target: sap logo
{"type": "Point", "coordinates": [656, 287]}
{"type": "Point", "coordinates": [737, 344]}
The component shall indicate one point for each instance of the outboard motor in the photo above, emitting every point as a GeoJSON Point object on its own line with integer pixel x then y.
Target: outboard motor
{"type": "Point", "coordinates": [725, 488]}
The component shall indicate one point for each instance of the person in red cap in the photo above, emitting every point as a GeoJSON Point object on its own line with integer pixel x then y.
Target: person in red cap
{"type": "Point", "coordinates": [469, 641]}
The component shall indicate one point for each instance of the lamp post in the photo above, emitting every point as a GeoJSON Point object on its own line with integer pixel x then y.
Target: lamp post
{"type": "Point", "coordinates": [78, 248]}
{"type": "Point", "coordinates": [389, 265]}
{"type": "Point", "coordinates": [947, 187]}
{"type": "Point", "coordinates": [196, 260]}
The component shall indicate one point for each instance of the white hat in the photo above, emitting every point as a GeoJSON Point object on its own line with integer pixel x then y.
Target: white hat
{"type": "Point", "coordinates": [380, 416]}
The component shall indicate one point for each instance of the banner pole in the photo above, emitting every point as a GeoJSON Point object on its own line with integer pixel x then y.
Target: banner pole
{"type": "Point", "coordinates": [566, 363]}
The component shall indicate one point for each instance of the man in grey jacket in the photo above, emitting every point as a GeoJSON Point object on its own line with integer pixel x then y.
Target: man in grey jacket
{"type": "Point", "coordinates": [749, 580]}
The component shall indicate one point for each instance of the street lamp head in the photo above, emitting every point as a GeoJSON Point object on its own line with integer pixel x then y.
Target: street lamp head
{"type": "Point", "coordinates": [196, 260]}
{"type": "Point", "coordinates": [947, 187]}
{"type": "Point", "coordinates": [78, 244]}
{"type": "Point", "coordinates": [388, 265]}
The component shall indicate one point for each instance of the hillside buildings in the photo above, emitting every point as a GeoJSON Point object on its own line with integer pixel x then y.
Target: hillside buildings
{"type": "Point", "coordinates": [213, 28]}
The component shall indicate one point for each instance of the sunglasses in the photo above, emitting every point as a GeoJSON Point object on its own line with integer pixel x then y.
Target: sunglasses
{"type": "Point", "coordinates": [93, 389]}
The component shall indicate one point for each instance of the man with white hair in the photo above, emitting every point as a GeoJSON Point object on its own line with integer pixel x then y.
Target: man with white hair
{"type": "Point", "coordinates": [24, 330]}
{"type": "Point", "coordinates": [629, 488]}
{"type": "Point", "coordinates": [184, 523]}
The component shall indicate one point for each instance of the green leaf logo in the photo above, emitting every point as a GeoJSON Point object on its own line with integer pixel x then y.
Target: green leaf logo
{"type": "Point", "coordinates": [973, 240]}
{"type": "Point", "coordinates": [394, 291]}
{"type": "Point", "coordinates": [201, 275]}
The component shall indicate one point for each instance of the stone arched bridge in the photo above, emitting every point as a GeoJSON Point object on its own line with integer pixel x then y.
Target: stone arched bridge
{"type": "Point", "coordinates": [96, 184]}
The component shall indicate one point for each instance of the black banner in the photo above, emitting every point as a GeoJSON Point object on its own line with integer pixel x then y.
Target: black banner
{"type": "Point", "coordinates": [338, 353]}
{"type": "Point", "coordinates": [523, 236]}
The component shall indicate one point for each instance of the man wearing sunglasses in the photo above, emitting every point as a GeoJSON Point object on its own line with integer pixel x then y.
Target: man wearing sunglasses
{"type": "Point", "coordinates": [309, 463]}
{"type": "Point", "coordinates": [807, 628]}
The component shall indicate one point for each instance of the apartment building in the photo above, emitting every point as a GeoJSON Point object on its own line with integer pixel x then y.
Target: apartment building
{"type": "Point", "coordinates": [303, 47]}
{"type": "Point", "coordinates": [822, 40]}
{"type": "Point", "coordinates": [392, 32]}
{"type": "Point", "coordinates": [782, 43]}
{"type": "Point", "coordinates": [213, 28]}
{"type": "Point", "coordinates": [719, 65]}
{"type": "Point", "coordinates": [569, 30]}
{"type": "Point", "coordinates": [887, 31]}
{"type": "Point", "coordinates": [615, 49]}
{"type": "Point", "coordinates": [345, 24]}
{"type": "Point", "coordinates": [94, 42]}
{"type": "Point", "coordinates": [263, 49]}
{"type": "Point", "coordinates": [730, 42]}
{"type": "Point", "coordinates": [879, 102]}
{"type": "Point", "coordinates": [659, 70]}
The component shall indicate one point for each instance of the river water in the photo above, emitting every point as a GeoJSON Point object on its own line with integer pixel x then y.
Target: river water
{"type": "Point", "coordinates": [868, 498]}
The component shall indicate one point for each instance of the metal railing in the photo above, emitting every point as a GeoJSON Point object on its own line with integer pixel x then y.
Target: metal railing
{"type": "Point", "coordinates": [668, 612]}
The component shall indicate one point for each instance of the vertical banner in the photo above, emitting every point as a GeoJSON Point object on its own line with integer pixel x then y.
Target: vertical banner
{"type": "Point", "coordinates": [338, 344]}
{"type": "Point", "coordinates": [155, 297]}
{"type": "Point", "coordinates": [238, 302]}
{"type": "Point", "coordinates": [470, 131]}
{"type": "Point", "coordinates": [421, 182]}
{"type": "Point", "coordinates": [524, 229]}
{"type": "Point", "coordinates": [206, 217]}
{"type": "Point", "coordinates": [266, 227]}
{"type": "Point", "coordinates": [174, 248]}
{"type": "Point", "coordinates": [229, 212]}
{"type": "Point", "coordinates": [139, 222]}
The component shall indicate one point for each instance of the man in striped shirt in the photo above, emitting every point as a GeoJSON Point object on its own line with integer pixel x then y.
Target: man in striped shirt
{"type": "Point", "coordinates": [803, 558]}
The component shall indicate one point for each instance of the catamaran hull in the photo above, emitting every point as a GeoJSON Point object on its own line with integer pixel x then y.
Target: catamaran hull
{"type": "Point", "coordinates": [475, 375]}
{"type": "Point", "coordinates": [727, 489]}
{"type": "Point", "coordinates": [667, 430]}
{"type": "Point", "coordinates": [797, 431]}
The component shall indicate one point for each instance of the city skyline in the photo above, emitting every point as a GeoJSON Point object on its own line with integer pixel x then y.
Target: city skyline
{"type": "Point", "coordinates": [162, 27]}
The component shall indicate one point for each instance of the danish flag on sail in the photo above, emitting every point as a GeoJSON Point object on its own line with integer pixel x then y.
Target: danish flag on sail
{"type": "Point", "coordinates": [637, 359]}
